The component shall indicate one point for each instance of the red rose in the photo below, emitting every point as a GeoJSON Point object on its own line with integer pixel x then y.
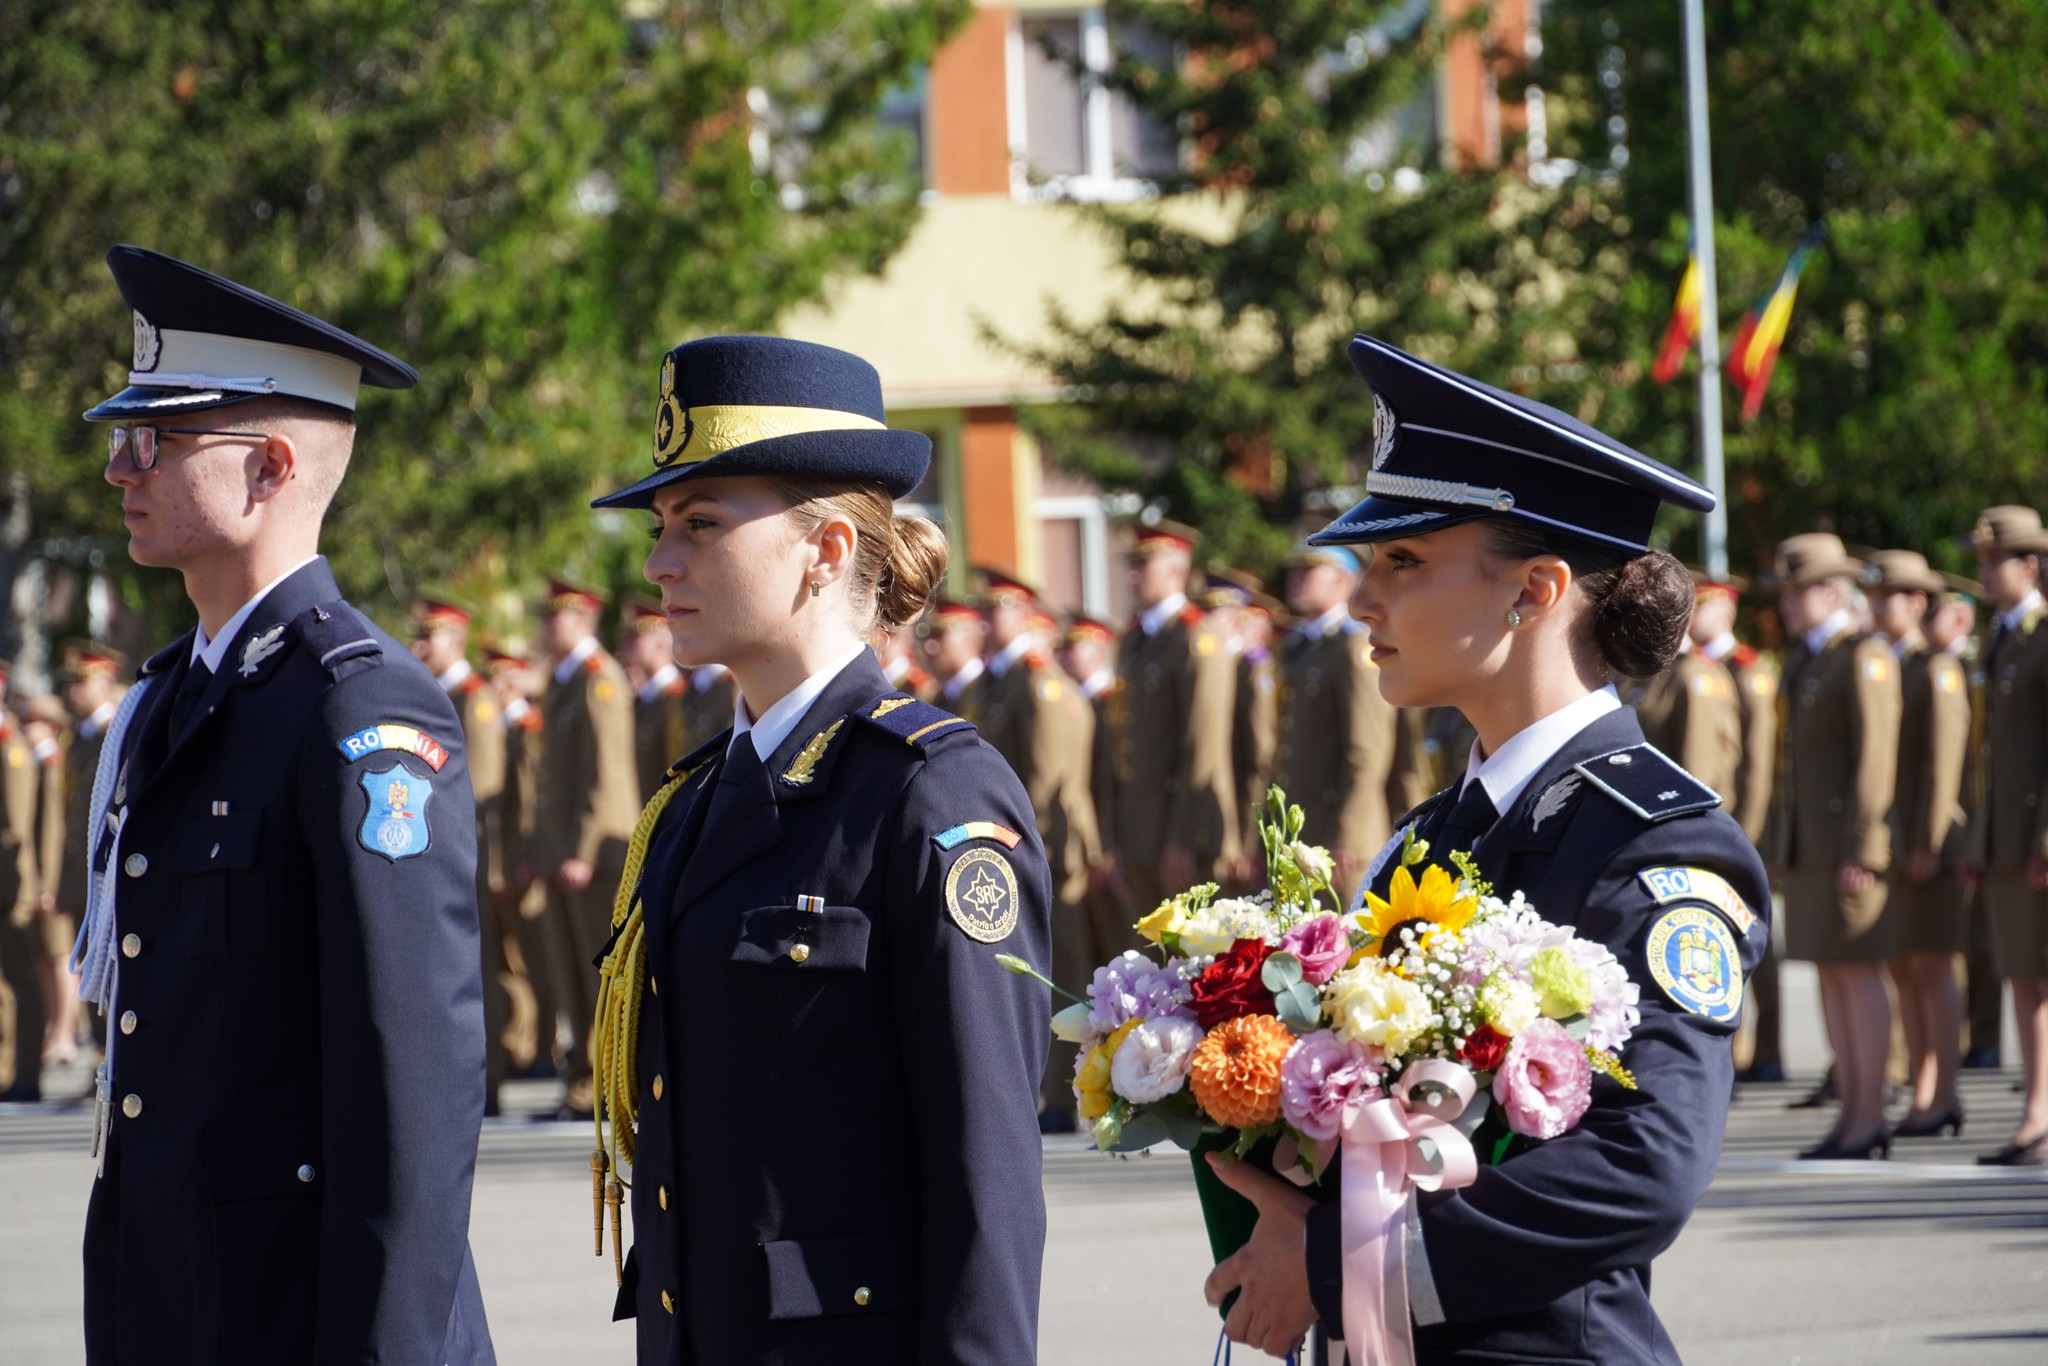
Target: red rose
{"type": "Point", "coordinates": [1485, 1048]}
{"type": "Point", "coordinates": [1230, 987]}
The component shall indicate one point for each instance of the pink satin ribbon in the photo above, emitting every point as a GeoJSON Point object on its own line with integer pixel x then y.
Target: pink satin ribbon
{"type": "Point", "coordinates": [1390, 1146]}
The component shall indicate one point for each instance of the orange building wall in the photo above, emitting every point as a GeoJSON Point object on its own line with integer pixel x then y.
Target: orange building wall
{"type": "Point", "coordinates": [967, 113]}
{"type": "Point", "coordinates": [988, 487]}
{"type": "Point", "coordinates": [1504, 44]}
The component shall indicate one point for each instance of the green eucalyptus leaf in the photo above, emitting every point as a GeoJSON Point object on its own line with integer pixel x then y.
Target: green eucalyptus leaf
{"type": "Point", "coordinates": [1280, 972]}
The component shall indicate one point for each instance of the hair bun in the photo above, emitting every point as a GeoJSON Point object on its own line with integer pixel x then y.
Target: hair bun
{"type": "Point", "coordinates": [913, 571]}
{"type": "Point", "coordinates": [1639, 621]}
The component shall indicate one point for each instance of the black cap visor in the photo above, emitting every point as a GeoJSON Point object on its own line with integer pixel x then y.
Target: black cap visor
{"type": "Point", "coordinates": [1389, 519]}
{"type": "Point", "coordinates": [897, 460]}
{"type": "Point", "coordinates": [139, 402]}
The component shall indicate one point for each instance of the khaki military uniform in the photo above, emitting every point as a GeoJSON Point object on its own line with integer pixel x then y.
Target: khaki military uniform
{"type": "Point", "coordinates": [1255, 741]}
{"type": "Point", "coordinates": [1835, 790]}
{"type": "Point", "coordinates": [1934, 737]}
{"type": "Point", "coordinates": [658, 726]}
{"type": "Point", "coordinates": [587, 802]}
{"type": "Point", "coordinates": [1037, 719]}
{"type": "Point", "coordinates": [1693, 712]}
{"type": "Point", "coordinates": [1174, 779]}
{"type": "Point", "coordinates": [2011, 826]}
{"type": "Point", "coordinates": [1337, 741]}
{"type": "Point", "coordinates": [1109, 912]}
{"type": "Point", "coordinates": [21, 984]}
{"type": "Point", "coordinates": [54, 936]}
{"type": "Point", "coordinates": [965, 701]}
{"type": "Point", "coordinates": [707, 710]}
{"type": "Point", "coordinates": [1756, 689]}
{"type": "Point", "coordinates": [519, 891]}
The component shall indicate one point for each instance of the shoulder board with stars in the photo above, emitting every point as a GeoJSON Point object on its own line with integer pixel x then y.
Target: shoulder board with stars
{"type": "Point", "coordinates": [1642, 779]}
{"type": "Point", "coordinates": [915, 723]}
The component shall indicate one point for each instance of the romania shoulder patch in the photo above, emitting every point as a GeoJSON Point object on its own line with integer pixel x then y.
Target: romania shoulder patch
{"type": "Point", "coordinates": [390, 735]}
{"type": "Point", "coordinates": [977, 830]}
{"type": "Point", "coordinates": [1666, 885]}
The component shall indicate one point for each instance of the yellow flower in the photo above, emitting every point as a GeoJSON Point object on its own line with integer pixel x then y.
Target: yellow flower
{"type": "Point", "coordinates": [1091, 1084]}
{"type": "Point", "coordinates": [1373, 1004]}
{"type": "Point", "coordinates": [1436, 904]}
{"type": "Point", "coordinates": [1168, 919]}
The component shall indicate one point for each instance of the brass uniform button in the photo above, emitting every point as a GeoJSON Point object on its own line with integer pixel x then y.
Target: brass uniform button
{"type": "Point", "coordinates": [127, 1022]}
{"type": "Point", "coordinates": [799, 952]}
{"type": "Point", "coordinates": [861, 1297]}
{"type": "Point", "coordinates": [131, 1105]}
{"type": "Point", "coordinates": [667, 1303]}
{"type": "Point", "coordinates": [654, 985]}
{"type": "Point", "coordinates": [306, 1172]}
{"type": "Point", "coordinates": [661, 1194]}
{"type": "Point", "coordinates": [135, 865]}
{"type": "Point", "coordinates": [657, 1086]}
{"type": "Point", "coordinates": [131, 946]}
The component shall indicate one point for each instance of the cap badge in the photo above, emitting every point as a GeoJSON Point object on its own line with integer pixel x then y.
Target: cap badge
{"type": "Point", "coordinates": [1383, 425]}
{"type": "Point", "coordinates": [148, 345]}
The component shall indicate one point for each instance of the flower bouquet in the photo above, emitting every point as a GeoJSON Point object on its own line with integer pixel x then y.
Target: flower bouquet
{"type": "Point", "coordinates": [1278, 1028]}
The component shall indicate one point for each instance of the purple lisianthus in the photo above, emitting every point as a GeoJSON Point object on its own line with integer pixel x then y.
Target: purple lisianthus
{"type": "Point", "coordinates": [1512, 939]}
{"type": "Point", "coordinates": [1545, 1084]}
{"type": "Point", "coordinates": [1322, 945]}
{"type": "Point", "coordinates": [1133, 987]}
{"type": "Point", "coordinates": [1319, 1076]}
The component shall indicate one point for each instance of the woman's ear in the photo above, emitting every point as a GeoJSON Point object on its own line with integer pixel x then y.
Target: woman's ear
{"type": "Point", "coordinates": [835, 542]}
{"type": "Point", "coordinates": [1545, 581]}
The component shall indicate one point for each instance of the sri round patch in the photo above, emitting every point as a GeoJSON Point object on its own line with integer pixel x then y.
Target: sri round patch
{"type": "Point", "coordinates": [981, 895]}
{"type": "Point", "coordinates": [1694, 959]}
{"type": "Point", "coordinates": [395, 826]}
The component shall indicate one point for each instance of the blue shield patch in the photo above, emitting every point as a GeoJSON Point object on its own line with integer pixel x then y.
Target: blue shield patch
{"type": "Point", "coordinates": [1693, 956]}
{"type": "Point", "coordinates": [395, 826]}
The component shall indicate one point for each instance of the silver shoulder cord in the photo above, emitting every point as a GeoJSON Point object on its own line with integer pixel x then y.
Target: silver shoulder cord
{"type": "Point", "coordinates": [96, 957]}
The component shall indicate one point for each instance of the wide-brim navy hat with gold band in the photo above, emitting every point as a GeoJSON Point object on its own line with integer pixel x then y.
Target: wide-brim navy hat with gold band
{"type": "Point", "coordinates": [206, 342]}
{"type": "Point", "coordinates": [776, 407]}
{"type": "Point", "coordinates": [1447, 449]}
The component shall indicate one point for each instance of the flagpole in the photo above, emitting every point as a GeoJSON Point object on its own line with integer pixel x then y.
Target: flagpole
{"type": "Point", "coordinates": [1709, 310]}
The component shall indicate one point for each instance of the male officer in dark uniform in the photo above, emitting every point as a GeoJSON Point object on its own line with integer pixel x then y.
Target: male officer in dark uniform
{"type": "Point", "coordinates": [294, 1083]}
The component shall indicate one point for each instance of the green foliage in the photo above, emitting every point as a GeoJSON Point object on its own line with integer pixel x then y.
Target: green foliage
{"type": "Point", "coordinates": [530, 202]}
{"type": "Point", "coordinates": [1910, 390]}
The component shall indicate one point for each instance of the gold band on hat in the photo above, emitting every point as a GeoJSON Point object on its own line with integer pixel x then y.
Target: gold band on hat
{"type": "Point", "coordinates": [687, 435]}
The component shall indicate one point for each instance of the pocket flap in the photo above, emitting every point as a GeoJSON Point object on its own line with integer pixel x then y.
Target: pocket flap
{"type": "Point", "coordinates": [222, 843]}
{"type": "Point", "coordinates": [835, 937]}
{"type": "Point", "coordinates": [827, 1277]}
{"type": "Point", "coordinates": [269, 1157]}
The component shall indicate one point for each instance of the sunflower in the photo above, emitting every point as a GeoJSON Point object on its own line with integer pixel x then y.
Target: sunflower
{"type": "Point", "coordinates": [1437, 904]}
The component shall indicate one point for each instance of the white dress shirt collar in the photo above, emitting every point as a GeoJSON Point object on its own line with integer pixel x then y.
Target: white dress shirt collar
{"type": "Point", "coordinates": [1817, 639]}
{"type": "Point", "coordinates": [211, 651]}
{"type": "Point", "coordinates": [768, 733]}
{"type": "Point", "coordinates": [454, 676]}
{"type": "Point", "coordinates": [2011, 620]}
{"type": "Point", "coordinates": [1099, 682]}
{"type": "Point", "coordinates": [957, 684]}
{"type": "Point", "coordinates": [999, 663]}
{"type": "Point", "coordinates": [92, 725]}
{"type": "Point", "coordinates": [1720, 647]}
{"type": "Point", "coordinates": [652, 688]}
{"type": "Point", "coordinates": [705, 676]}
{"type": "Point", "coordinates": [573, 661]}
{"type": "Point", "coordinates": [1152, 618]}
{"type": "Point", "coordinates": [1330, 621]}
{"type": "Point", "coordinates": [1515, 764]}
{"type": "Point", "coordinates": [896, 669]}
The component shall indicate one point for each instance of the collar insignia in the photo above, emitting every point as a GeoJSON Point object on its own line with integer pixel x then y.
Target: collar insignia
{"type": "Point", "coordinates": [1553, 799]}
{"type": "Point", "coordinates": [261, 648]}
{"type": "Point", "coordinates": [804, 767]}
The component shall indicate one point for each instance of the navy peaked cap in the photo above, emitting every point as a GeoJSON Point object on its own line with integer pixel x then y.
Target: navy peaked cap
{"type": "Point", "coordinates": [773, 407]}
{"type": "Point", "coordinates": [202, 341]}
{"type": "Point", "coordinates": [1447, 449]}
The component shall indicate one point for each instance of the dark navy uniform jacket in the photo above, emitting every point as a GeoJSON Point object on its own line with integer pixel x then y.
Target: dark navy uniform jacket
{"type": "Point", "coordinates": [298, 1032]}
{"type": "Point", "coordinates": [1546, 1257]}
{"type": "Point", "coordinates": [838, 1157]}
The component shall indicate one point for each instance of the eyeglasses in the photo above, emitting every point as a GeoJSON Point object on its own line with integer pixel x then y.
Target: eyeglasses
{"type": "Point", "coordinates": [140, 444]}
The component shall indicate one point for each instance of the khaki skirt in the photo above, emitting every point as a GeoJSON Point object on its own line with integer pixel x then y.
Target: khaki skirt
{"type": "Point", "coordinates": [1933, 917]}
{"type": "Point", "coordinates": [2019, 923]}
{"type": "Point", "coordinates": [1823, 926]}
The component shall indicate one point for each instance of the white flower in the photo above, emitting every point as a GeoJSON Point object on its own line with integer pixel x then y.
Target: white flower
{"type": "Point", "coordinates": [1153, 1062]}
{"type": "Point", "coordinates": [1373, 1005]}
{"type": "Point", "coordinates": [1315, 863]}
{"type": "Point", "coordinates": [1071, 1025]}
{"type": "Point", "coordinates": [1214, 928]}
{"type": "Point", "coordinates": [1508, 1004]}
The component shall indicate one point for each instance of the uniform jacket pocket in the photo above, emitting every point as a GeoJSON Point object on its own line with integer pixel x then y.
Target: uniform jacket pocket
{"type": "Point", "coordinates": [813, 1278]}
{"type": "Point", "coordinates": [831, 938]}
{"type": "Point", "coordinates": [223, 909]}
{"type": "Point", "coordinates": [266, 1158]}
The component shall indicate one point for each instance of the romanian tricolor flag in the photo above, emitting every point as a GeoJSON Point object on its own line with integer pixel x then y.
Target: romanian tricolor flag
{"type": "Point", "coordinates": [1755, 349]}
{"type": "Point", "coordinates": [1683, 327]}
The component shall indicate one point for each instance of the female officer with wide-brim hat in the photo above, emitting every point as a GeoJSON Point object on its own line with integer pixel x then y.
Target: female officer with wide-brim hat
{"type": "Point", "coordinates": [1511, 577]}
{"type": "Point", "coordinates": [835, 1082]}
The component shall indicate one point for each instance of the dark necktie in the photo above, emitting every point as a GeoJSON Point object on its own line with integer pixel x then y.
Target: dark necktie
{"type": "Point", "coordinates": [742, 771]}
{"type": "Point", "coordinates": [1469, 819]}
{"type": "Point", "coordinates": [197, 676]}
{"type": "Point", "coordinates": [1996, 647]}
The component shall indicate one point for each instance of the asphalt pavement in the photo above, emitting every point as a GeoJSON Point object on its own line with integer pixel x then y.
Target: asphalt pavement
{"type": "Point", "coordinates": [1926, 1259]}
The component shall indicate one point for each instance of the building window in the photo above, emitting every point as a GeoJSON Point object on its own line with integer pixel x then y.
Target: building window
{"type": "Point", "coordinates": [903, 109]}
{"type": "Point", "coordinates": [1069, 137]}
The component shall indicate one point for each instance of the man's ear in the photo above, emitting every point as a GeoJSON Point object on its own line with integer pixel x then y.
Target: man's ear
{"type": "Point", "coordinates": [276, 463]}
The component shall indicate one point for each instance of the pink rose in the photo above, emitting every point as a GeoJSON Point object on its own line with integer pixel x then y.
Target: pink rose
{"type": "Point", "coordinates": [1322, 945]}
{"type": "Point", "coordinates": [1319, 1076]}
{"type": "Point", "coordinates": [1545, 1083]}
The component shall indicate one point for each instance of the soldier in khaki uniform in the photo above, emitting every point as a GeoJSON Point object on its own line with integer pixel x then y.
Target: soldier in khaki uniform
{"type": "Point", "coordinates": [505, 860]}
{"type": "Point", "coordinates": [2009, 837]}
{"type": "Point", "coordinates": [22, 1012]}
{"type": "Point", "coordinates": [587, 800]}
{"type": "Point", "coordinates": [1952, 630]}
{"type": "Point", "coordinates": [1927, 837]}
{"type": "Point", "coordinates": [707, 706]}
{"type": "Point", "coordinates": [1228, 601]}
{"type": "Point", "coordinates": [91, 674]}
{"type": "Point", "coordinates": [952, 637]}
{"type": "Point", "coordinates": [1338, 736]}
{"type": "Point", "coordinates": [1090, 659]}
{"type": "Point", "coordinates": [1176, 804]}
{"type": "Point", "coordinates": [1693, 712]}
{"type": "Point", "coordinates": [1833, 829]}
{"type": "Point", "coordinates": [1044, 728]}
{"type": "Point", "coordinates": [44, 724]}
{"type": "Point", "coordinates": [892, 645]}
{"type": "Point", "coordinates": [659, 692]}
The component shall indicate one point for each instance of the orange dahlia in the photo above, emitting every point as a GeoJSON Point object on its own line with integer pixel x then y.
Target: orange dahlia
{"type": "Point", "coordinates": [1236, 1071]}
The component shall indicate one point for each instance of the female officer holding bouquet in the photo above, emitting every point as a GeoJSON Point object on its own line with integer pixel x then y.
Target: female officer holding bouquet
{"type": "Point", "coordinates": [1511, 578]}
{"type": "Point", "coordinates": [834, 1081]}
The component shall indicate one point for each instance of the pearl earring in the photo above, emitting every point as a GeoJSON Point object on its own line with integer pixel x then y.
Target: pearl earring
{"type": "Point", "coordinates": [1514, 617]}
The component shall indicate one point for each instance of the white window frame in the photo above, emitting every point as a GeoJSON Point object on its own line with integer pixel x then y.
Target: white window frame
{"type": "Point", "coordinates": [1100, 183]}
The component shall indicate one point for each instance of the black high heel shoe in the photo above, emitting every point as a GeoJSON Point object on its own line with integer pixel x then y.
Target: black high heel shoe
{"type": "Point", "coordinates": [2034, 1154]}
{"type": "Point", "coordinates": [1879, 1145]}
{"type": "Point", "coordinates": [1951, 1120]}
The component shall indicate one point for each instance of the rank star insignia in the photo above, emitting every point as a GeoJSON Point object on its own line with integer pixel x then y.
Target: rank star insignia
{"type": "Point", "coordinates": [261, 648]}
{"type": "Point", "coordinates": [981, 895]}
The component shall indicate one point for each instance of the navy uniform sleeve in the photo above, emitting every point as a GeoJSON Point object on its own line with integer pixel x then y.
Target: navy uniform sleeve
{"type": "Point", "coordinates": [974, 1040]}
{"type": "Point", "coordinates": [392, 837]}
